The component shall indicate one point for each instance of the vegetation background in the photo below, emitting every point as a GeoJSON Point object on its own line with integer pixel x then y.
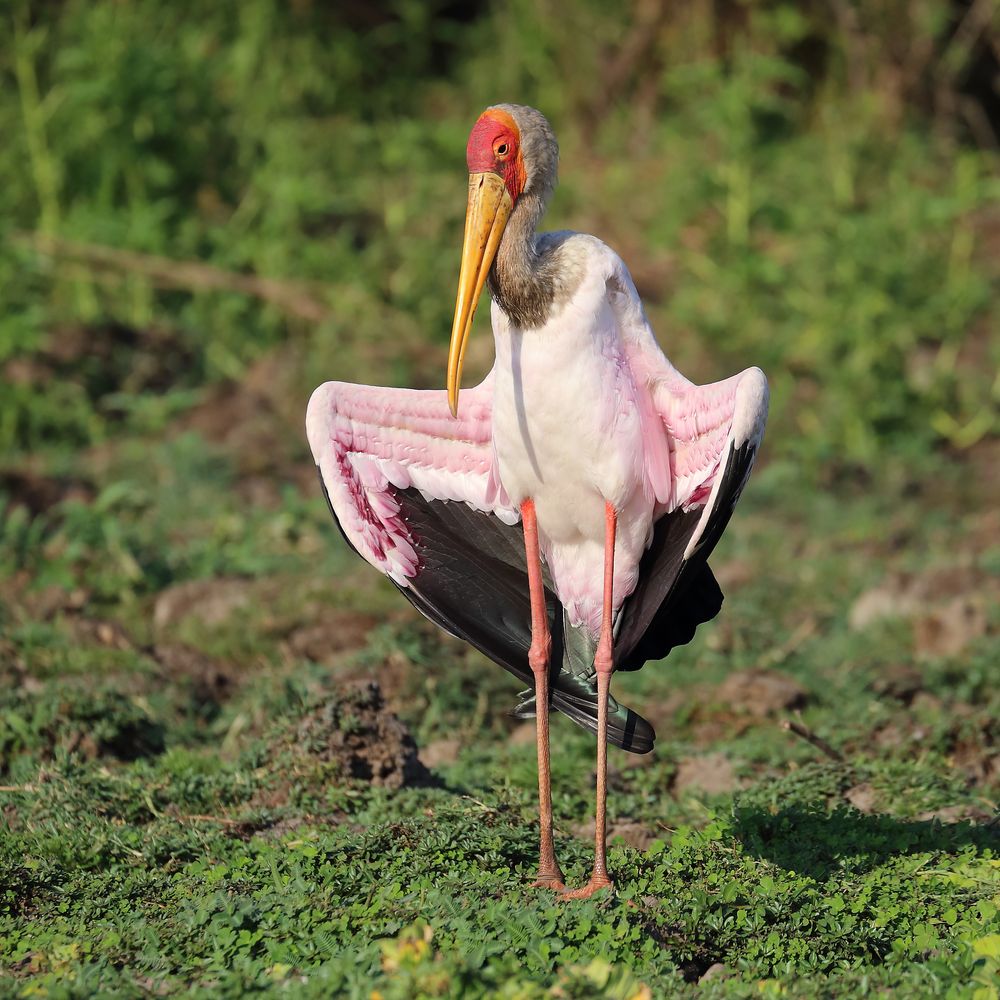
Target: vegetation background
{"type": "Point", "coordinates": [208, 209]}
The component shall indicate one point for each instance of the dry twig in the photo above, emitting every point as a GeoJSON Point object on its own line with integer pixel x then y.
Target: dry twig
{"type": "Point", "coordinates": [803, 731]}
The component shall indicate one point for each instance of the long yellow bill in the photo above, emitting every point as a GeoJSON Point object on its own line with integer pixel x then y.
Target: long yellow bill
{"type": "Point", "coordinates": [486, 217]}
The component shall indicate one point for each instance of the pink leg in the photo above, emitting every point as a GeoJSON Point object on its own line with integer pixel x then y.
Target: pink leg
{"type": "Point", "coordinates": [549, 874]}
{"type": "Point", "coordinates": [604, 665]}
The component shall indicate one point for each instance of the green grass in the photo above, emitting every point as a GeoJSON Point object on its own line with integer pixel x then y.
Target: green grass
{"type": "Point", "coordinates": [178, 822]}
{"type": "Point", "coordinates": [199, 791]}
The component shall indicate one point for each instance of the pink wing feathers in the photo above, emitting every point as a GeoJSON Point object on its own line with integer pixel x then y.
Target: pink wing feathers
{"type": "Point", "coordinates": [368, 439]}
{"type": "Point", "coordinates": [709, 426]}
{"type": "Point", "coordinates": [690, 432]}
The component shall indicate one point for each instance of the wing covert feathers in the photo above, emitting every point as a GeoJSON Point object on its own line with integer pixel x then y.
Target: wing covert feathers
{"type": "Point", "coordinates": [370, 441]}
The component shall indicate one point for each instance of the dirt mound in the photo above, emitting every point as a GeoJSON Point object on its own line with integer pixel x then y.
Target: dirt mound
{"type": "Point", "coordinates": [335, 632]}
{"type": "Point", "coordinates": [210, 602]}
{"type": "Point", "coordinates": [761, 692]}
{"type": "Point", "coordinates": [711, 774]}
{"type": "Point", "coordinates": [948, 607]}
{"type": "Point", "coordinates": [356, 730]}
{"type": "Point", "coordinates": [744, 699]}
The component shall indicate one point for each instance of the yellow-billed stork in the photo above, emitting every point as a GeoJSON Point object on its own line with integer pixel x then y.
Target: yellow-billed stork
{"type": "Point", "coordinates": [621, 472]}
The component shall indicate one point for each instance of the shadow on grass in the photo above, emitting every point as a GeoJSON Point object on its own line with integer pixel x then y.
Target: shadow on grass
{"type": "Point", "coordinates": [817, 843]}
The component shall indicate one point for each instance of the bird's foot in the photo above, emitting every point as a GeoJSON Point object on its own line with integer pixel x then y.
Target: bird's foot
{"type": "Point", "coordinates": [553, 882]}
{"type": "Point", "coordinates": [598, 881]}
{"type": "Point", "coordinates": [549, 877]}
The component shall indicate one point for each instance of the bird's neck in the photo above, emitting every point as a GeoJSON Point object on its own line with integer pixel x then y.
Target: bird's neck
{"type": "Point", "coordinates": [519, 279]}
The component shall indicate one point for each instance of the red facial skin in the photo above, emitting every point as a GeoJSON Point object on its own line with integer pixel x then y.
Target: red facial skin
{"type": "Point", "coordinates": [495, 146]}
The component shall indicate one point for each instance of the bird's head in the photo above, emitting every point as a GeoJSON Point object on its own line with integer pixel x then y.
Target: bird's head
{"type": "Point", "coordinates": [512, 155]}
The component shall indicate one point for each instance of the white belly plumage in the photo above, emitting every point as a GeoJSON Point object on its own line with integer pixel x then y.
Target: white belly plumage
{"type": "Point", "coordinates": [567, 435]}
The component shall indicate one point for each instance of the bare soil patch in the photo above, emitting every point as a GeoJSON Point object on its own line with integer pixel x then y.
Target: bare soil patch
{"type": "Point", "coordinates": [332, 631]}
{"type": "Point", "coordinates": [947, 606]}
{"type": "Point", "coordinates": [357, 731]}
{"type": "Point", "coordinates": [210, 602]}
{"type": "Point", "coordinates": [711, 774]}
{"type": "Point", "coordinates": [761, 692]}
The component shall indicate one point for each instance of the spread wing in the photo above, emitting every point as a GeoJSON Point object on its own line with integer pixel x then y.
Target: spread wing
{"type": "Point", "coordinates": [700, 443]}
{"type": "Point", "coordinates": [370, 443]}
{"type": "Point", "coordinates": [415, 493]}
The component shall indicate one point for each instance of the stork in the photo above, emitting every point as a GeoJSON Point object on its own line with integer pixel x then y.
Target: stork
{"type": "Point", "coordinates": [558, 517]}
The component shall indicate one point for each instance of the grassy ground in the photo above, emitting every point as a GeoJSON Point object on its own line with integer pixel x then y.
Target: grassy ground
{"type": "Point", "coordinates": [202, 790]}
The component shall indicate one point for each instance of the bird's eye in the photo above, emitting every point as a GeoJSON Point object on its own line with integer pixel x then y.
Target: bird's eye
{"type": "Point", "coordinates": [501, 150]}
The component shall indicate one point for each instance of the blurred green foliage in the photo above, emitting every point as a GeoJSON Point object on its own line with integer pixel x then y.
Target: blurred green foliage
{"type": "Point", "coordinates": [774, 187]}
